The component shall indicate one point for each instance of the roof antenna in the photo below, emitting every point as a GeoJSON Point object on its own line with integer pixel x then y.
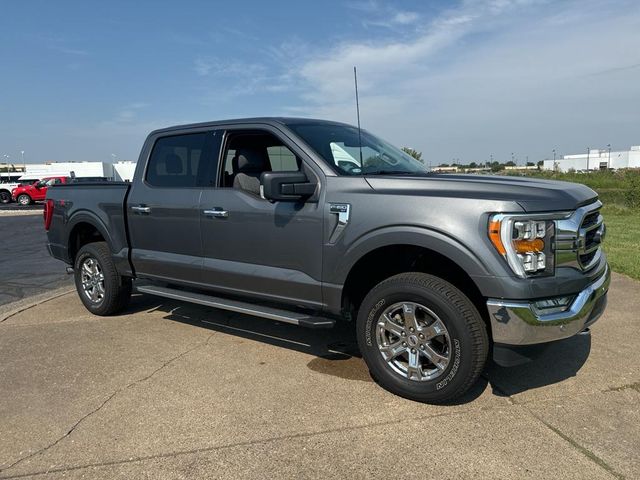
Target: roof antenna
{"type": "Point", "coordinates": [355, 79]}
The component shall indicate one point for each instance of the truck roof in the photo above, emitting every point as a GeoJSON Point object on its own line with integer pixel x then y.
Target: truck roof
{"type": "Point", "coordinates": [251, 120]}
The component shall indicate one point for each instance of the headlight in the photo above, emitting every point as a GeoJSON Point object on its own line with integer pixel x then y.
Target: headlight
{"type": "Point", "coordinates": [525, 243]}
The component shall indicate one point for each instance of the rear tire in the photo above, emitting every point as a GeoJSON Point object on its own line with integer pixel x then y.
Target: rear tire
{"type": "Point", "coordinates": [24, 199]}
{"type": "Point", "coordinates": [422, 338]}
{"type": "Point", "coordinates": [5, 197]}
{"type": "Point", "coordinates": [102, 290]}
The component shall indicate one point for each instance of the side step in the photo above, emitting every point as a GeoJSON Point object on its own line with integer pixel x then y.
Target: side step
{"type": "Point", "coordinates": [286, 316]}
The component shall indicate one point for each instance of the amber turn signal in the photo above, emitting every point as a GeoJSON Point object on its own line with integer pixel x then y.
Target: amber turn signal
{"type": "Point", "coordinates": [494, 236]}
{"type": "Point", "coordinates": [529, 246]}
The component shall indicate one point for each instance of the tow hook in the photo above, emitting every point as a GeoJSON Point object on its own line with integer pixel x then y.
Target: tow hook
{"type": "Point", "coordinates": [69, 270]}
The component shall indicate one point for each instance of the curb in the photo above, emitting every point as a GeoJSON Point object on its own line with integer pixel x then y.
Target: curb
{"type": "Point", "coordinates": [33, 302]}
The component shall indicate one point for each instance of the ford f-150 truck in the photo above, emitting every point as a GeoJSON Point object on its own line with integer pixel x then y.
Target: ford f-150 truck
{"type": "Point", "coordinates": [258, 216]}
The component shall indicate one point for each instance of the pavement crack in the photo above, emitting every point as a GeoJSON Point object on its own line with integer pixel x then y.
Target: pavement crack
{"type": "Point", "coordinates": [246, 443]}
{"type": "Point", "coordinates": [583, 450]}
{"type": "Point", "coordinates": [106, 401]}
{"type": "Point", "coordinates": [34, 304]}
{"type": "Point", "coordinates": [633, 386]}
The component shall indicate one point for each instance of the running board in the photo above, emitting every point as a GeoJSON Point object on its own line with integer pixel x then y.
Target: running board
{"type": "Point", "coordinates": [285, 316]}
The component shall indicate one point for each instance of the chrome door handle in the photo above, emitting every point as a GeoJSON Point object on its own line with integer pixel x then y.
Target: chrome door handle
{"type": "Point", "coordinates": [216, 213]}
{"type": "Point", "coordinates": [141, 209]}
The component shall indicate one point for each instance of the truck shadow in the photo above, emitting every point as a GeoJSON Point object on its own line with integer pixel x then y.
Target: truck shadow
{"type": "Point", "coordinates": [336, 350]}
{"type": "Point", "coordinates": [553, 363]}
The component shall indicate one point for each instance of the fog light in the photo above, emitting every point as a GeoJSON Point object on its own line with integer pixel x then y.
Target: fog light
{"type": "Point", "coordinates": [554, 305]}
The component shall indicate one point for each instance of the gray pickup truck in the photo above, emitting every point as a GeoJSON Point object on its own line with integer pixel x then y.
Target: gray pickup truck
{"type": "Point", "coordinates": [313, 222]}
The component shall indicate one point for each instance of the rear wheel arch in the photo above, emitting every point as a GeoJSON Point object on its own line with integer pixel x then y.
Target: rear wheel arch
{"type": "Point", "coordinates": [82, 232]}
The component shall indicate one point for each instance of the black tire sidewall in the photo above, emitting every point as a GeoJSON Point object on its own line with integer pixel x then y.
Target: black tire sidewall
{"type": "Point", "coordinates": [461, 364]}
{"type": "Point", "coordinates": [5, 197]}
{"type": "Point", "coordinates": [112, 281]}
{"type": "Point", "coordinates": [23, 195]}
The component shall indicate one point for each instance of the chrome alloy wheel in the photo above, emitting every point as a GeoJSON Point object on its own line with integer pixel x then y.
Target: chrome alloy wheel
{"type": "Point", "coordinates": [413, 341]}
{"type": "Point", "coordinates": [92, 280]}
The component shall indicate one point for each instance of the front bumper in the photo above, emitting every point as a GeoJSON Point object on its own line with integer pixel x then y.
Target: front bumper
{"type": "Point", "coordinates": [521, 323]}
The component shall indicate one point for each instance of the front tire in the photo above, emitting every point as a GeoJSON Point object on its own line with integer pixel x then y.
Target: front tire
{"type": "Point", "coordinates": [24, 199]}
{"type": "Point", "coordinates": [422, 338]}
{"type": "Point", "coordinates": [101, 288]}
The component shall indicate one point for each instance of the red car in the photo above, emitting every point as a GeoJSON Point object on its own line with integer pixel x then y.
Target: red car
{"type": "Point", "coordinates": [37, 191]}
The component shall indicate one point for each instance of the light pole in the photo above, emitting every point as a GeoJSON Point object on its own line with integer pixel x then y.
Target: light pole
{"type": "Point", "coordinates": [609, 158]}
{"type": "Point", "coordinates": [588, 150]}
{"type": "Point", "coordinates": [6, 162]}
{"type": "Point", "coordinates": [113, 157]}
{"type": "Point", "coordinates": [554, 155]}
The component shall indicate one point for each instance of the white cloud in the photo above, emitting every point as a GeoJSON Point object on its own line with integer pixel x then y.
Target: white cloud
{"type": "Point", "coordinates": [202, 67]}
{"type": "Point", "coordinates": [490, 78]}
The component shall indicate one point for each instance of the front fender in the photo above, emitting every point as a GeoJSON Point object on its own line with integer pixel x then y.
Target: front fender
{"type": "Point", "coordinates": [424, 237]}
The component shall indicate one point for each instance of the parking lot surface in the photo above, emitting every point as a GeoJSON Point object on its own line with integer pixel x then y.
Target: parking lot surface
{"type": "Point", "coordinates": [26, 268]}
{"type": "Point", "coordinates": [172, 390]}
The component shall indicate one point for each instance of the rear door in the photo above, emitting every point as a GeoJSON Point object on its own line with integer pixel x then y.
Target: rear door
{"type": "Point", "coordinates": [163, 206]}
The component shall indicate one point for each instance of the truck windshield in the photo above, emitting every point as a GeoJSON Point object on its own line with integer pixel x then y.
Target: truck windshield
{"type": "Point", "coordinates": [339, 145]}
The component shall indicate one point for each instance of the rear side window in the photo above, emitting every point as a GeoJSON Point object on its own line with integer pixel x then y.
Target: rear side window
{"type": "Point", "coordinates": [176, 161]}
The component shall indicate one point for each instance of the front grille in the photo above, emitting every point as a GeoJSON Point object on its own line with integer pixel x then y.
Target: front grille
{"type": "Point", "coordinates": [587, 258]}
{"type": "Point", "coordinates": [591, 233]}
{"type": "Point", "coordinates": [590, 219]}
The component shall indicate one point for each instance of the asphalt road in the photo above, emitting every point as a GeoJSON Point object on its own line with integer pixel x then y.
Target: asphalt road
{"type": "Point", "coordinates": [170, 390]}
{"type": "Point", "coordinates": [26, 268]}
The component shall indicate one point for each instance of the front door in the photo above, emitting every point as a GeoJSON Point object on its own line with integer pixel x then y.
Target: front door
{"type": "Point", "coordinates": [254, 247]}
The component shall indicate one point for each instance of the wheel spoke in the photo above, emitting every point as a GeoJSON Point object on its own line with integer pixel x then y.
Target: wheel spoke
{"type": "Point", "coordinates": [433, 330]}
{"type": "Point", "coordinates": [390, 325]}
{"type": "Point", "coordinates": [86, 269]}
{"type": "Point", "coordinates": [389, 352]}
{"type": "Point", "coordinates": [413, 365]}
{"type": "Point", "coordinates": [409, 315]}
{"type": "Point", "coordinates": [440, 361]}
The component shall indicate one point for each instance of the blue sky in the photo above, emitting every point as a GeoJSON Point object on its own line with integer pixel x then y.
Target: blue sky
{"type": "Point", "coordinates": [466, 80]}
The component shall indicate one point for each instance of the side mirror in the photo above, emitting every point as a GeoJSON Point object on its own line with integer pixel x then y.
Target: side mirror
{"type": "Point", "coordinates": [286, 186]}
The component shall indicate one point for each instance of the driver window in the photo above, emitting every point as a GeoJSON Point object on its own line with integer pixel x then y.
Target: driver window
{"type": "Point", "coordinates": [248, 154]}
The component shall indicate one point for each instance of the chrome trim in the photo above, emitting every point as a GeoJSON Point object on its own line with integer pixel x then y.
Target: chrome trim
{"type": "Point", "coordinates": [343, 210]}
{"type": "Point", "coordinates": [571, 238]}
{"type": "Point", "coordinates": [141, 209]}
{"type": "Point", "coordinates": [218, 213]}
{"type": "Point", "coordinates": [521, 323]}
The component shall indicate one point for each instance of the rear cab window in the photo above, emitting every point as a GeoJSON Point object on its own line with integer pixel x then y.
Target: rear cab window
{"type": "Point", "coordinates": [183, 160]}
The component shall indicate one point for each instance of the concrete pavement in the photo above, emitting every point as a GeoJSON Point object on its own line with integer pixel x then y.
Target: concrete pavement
{"type": "Point", "coordinates": [171, 390]}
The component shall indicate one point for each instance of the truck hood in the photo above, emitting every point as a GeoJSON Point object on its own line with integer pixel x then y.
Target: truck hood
{"type": "Point", "coordinates": [532, 194]}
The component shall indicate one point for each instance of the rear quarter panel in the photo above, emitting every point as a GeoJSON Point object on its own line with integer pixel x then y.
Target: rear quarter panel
{"type": "Point", "coordinates": [99, 205]}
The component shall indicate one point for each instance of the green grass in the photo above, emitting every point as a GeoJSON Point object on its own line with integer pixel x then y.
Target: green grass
{"type": "Point", "coordinates": [619, 192]}
{"type": "Point", "coordinates": [622, 243]}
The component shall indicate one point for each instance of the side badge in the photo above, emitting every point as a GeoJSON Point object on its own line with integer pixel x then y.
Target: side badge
{"type": "Point", "coordinates": [343, 210]}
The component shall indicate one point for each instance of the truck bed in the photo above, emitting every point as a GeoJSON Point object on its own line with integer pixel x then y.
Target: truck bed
{"type": "Point", "coordinates": [78, 205]}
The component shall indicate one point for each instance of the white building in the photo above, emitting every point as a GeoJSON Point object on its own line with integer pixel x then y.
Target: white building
{"type": "Point", "coordinates": [119, 171]}
{"type": "Point", "coordinates": [596, 160]}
